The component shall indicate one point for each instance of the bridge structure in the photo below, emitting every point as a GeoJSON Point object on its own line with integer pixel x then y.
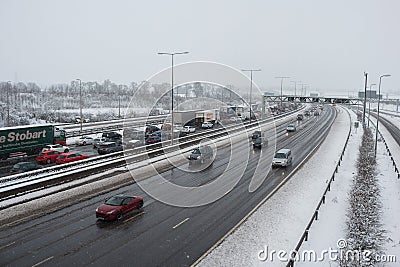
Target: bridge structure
{"type": "Point", "coordinates": [280, 100]}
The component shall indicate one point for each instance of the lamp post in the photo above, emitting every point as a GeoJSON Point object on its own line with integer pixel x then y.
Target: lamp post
{"type": "Point", "coordinates": [8, 103]}
{"type": "Point", "coordinates": [282, 77]}
{"type": "Point", "coordinates": [377, 119]}
{"type": "Point", "coordinates": [365, 97]}
{"type": "Point", "coordinates": [251, 85]}
{"type": "Point", "coordinates": [295, 85]}
{"type": "Point", "coordinates": [80, 101]}
{"type": "Point", "coordinates": [369, 102]}
{"type": "Point", "coordinates": [119, 101]}
{"type": "Point", "coordinates": [172, 88]}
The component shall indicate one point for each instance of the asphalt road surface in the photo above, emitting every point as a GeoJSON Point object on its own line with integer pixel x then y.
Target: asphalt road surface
{"type": "Point", "coordinates": [159, 235]}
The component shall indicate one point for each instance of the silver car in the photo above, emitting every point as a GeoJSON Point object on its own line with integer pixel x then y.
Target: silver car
{"type": "Point", "coordinates": [282, 158]}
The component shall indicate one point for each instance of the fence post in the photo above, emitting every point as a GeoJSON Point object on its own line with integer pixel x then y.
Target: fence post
{"type": "Point", "coordinates": [306, 235]}
{"type": "Point", "coordinates": [316, 215]}
{"type": "Point", "coordinates": [323, 199]}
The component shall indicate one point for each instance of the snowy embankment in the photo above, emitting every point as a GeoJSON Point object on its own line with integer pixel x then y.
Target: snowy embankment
{"type": "Point", "coordinates": [279, 223]}
{"type": "Point", "coordinates": [390, 189]}
{"type": "Point", "coordinates": [331, 226]}
{"type": "Point", "coordinates": [332, 217]}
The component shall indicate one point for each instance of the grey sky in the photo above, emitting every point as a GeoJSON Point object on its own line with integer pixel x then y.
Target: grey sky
{"type": "Point", "coordinates": [326, 44]}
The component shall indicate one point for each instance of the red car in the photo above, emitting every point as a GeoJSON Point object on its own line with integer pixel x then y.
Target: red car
{"type": "Point", "coordinates": [47, 156]}
{"type": "Point", "coordinates": [70, 157]}
{"type": "Point", "coordinates": [117, 206]}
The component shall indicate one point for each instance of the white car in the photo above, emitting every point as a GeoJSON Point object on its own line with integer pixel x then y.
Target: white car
{"type": "Point", "coordinates": [58, 147]}
{"type": "Point", "coordinates": [84, 140]}
{"type": "Point", "coordinates": [99, 140]}
{"type": "Point", "coordinates": [291, 128]}
{"type": "Point", "coordinates": [189, 129]}
{"type": "Point", "coordinates": [207, 125]}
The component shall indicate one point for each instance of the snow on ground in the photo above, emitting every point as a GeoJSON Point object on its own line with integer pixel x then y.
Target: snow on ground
{"type": "Point", "coordinates": [393, 119]}
{"type": "Point", "coordinates": [393, 146]}
{"type": "Point", "coordinates": [97, 111]}
{"type": "Point", "coordinates": [279, 223]}
{"type": "Point", "coordinates": [390, 192]}
{"type": "Point", "coordinates": [389, 107]}
{"type": "Point", "coordinates": [390, 189]}
{"type": "Point", "coordinates": [331, 224]}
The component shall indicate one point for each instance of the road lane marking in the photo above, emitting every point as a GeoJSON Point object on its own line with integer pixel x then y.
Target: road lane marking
{"type": "Point", "coordinates": [12, 243]}
{"type": "Point", "coordinates": [176, 226]}
{"type": "Point", "coordinates": [137, 215]}
{"type": "Point", "coordinates": [43, 261]}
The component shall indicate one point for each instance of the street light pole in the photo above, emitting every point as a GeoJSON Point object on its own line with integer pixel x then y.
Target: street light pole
{"type": "Point", "coordinates": [365, 97]}
{"type": "Point", "coordinates": [172, 88]}
{"type": "Point", "coordinates": [8, 103]}
{"type": "Point", "coordinates": [295, 85]}
{"type": "Point", "coordinates": [251, 86]}
{"type": "Point", "coordinates": [282, 77]}
{"type": "Point", "coordinates": [369, 102]}
{"type": "Point", "coordinates": [119, 102]}
{"type": "Point", "coordinates": [80, 101]}
{"type": "Point", "coordinates": [377, 119]}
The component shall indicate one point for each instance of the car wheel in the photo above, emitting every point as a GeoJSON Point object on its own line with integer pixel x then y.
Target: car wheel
{"type": "Point", "coordinates": [48, 161]}
{"type": "Point", "coordinates": [140, 205]}
{"type": "Point", "coordinates": [119, 215]}
{"type": "Point", "coordinates": [84, 143]}
{"type": "Point", "coordinates": [66, 150]}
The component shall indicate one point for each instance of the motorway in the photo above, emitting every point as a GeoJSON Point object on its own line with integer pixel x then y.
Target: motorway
{"type": "Point", "coordinates": [160, 234]}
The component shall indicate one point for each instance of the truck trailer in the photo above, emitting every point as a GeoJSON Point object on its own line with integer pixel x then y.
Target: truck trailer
{"type": "Point", "coordinates": [211, 115]}
{"type": "Point", "coordinates": [29, 139]}
{"type": "Point", "coordinates": [184, 118]}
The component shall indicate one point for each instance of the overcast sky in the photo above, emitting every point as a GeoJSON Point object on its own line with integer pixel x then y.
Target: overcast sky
{"type": "Point", "coordinates": [325, 44]}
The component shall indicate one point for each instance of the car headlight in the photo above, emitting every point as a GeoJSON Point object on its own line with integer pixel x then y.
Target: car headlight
{"type": "Point", "coordinates": [111, 212]}
{"type": "Point", "coordinates": [97, 210]}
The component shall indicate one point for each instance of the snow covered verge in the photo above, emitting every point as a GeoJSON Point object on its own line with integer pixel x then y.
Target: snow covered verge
{"type": "Point", "coordinates": [332, 217]}
{"type": "Point", "coordinates": [278, 224]}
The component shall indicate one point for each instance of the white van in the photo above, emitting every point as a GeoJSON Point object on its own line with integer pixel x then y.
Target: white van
{"type": "Point", "coordinates": [282, 158]}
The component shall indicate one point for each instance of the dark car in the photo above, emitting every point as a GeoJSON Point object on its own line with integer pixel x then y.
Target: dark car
{"type": "Point", "coordinates": [151, 129]}
{"type": "Point", "coordinates": [307, 113]}
{"type": "Point", "coordinates": [256, 134]}
{"type": "Point", "coordinates": [47, 156]}
{"type": "Point", "coordinates": [25, 167]}
{"type": "Point", "coordinates": [112, 135]}
{"type": "Point", "coordinates": [201, 155]}
{"type": "Point", "coordinates": [316, 113]}
{"type": "Point", "coordinates": [116, 207]}
{"type": "Point", "coordinates": [152, 140]}
{"type": "Point", "coordinates": [300, 117]}
{"type": "Point", "coordinates": [260, 142]}
{"type": "Point", "coordinates": [109, 147]}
